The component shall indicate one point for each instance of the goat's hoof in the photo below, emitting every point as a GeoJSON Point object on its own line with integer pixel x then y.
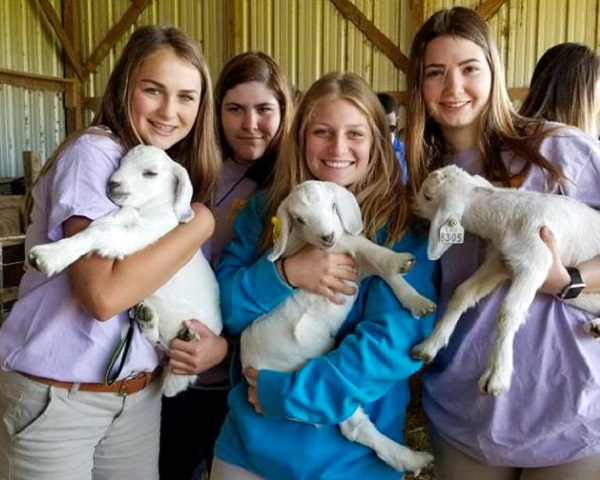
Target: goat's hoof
{"type": "Point", "coordinates": [405, 262]}
{"type": "Point", "coordinates": [42, 260]}
{"type": "Point", "coordinates": [188, 335]}
{"type": "Point", "coordinates": [492, 383]}
{"type": "Point", "coordinates": [421, 352]}
{"type": "Point", "coordinates": [421, 307]}
{"type": "Point", "coordinates": [594, 327]}
{"type": "Point", "coordinates": [144, 314]}
{"type": "Point", "coordinates": [405, 460]}
{"type": "Point", "coordinates": [34, 261]}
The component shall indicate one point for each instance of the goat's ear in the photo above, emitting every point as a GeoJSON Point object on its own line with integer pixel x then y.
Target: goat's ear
{"type": "Point", "coordinates": [348, 209]}
{"type": "Point", "coordinates": [285, 224]}
{"type": "Point", "coordinates": [436, 248]}
{"type": "Point", "coordinates": [183, 194]}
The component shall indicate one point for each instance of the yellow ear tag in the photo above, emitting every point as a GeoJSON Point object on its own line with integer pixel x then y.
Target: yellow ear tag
{"type": "Point", "coordinates": [276, 229]}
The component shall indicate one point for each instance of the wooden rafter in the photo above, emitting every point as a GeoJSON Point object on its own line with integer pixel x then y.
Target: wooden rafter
{"type": "Point", "coordinates": [376, 36]}
{"type": "Point", "coordinates": [488, 8]}
{"type": "Point", "coordinates": [417, 10]}
{"type": "Point", "coordinates": [114, 34]}
{"type": "Point", "coordinates": [52, 17]}
{"type": "Point", "coordinates": [34, 81]}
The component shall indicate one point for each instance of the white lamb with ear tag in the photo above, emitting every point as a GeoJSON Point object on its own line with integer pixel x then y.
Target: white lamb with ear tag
{"type": "Point", "coordinates": [305, 325]}
{"type": "Point", "coordinates": [511, 221]}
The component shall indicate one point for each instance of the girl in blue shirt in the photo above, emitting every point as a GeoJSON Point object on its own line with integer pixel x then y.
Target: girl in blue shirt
{"type": "Point", "coordinates": [339, 134]}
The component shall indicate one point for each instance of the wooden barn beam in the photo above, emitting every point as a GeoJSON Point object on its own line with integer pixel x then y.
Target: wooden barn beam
{"type": "Point", "coordinates": [114, 34]}
{"type": "Point", "coordinates": [350, 12]}
{"type": "Point", "coordinates": [34, 81]}
{"type": "Point", "coordinates": [74, 116]}
{"type": "Point", "coordinates": [234, 9]}
{"type": "Point", "coordinates": [52, 17]}
{"type": "Point", "coordinates": [417, 10]}
{"type": "Point", "coordinates": [489, 7]}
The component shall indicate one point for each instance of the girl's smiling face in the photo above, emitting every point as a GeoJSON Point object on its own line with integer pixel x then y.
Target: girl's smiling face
{"type": "Point", "coordinates": [166, 99]}
{"type": "Point", "coordinates": [338, 142]}
{"type": "Point", "coordinates": [457, 83]}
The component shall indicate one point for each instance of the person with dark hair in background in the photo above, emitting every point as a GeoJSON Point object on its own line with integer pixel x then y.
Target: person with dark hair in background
{"type": "Point", "coordinates": [253, 115]}
{"type": "Point", "coordinates": [391, 109]}
{"type": "Point", "coordinates": [565, 87]}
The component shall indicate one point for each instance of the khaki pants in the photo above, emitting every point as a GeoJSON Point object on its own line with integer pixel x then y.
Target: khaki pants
{"type": "Point", "coordinates": [451, 464]}
{"type": "Point", "coordinates": [51, 433]}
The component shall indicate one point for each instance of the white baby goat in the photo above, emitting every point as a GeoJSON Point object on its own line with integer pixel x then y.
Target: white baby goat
{"type": "Point", "coordinates": [510, 220]}
{"type": "Point", "coordinates": [154, 194]}
{"type": "Point", "coordinates": [305, 325]}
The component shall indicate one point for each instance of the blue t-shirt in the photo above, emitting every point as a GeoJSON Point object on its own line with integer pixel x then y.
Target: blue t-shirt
{"type": "Point", "coordinates": [399, 149]}
{"type": "Point", "coordinates": [370, 368]}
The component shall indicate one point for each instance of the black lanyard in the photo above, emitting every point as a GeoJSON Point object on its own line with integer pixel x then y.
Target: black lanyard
{"type": "Point", "coordinates": [123, 346]}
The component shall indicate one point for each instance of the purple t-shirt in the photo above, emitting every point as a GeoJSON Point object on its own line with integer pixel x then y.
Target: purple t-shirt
{"type": "Point", "coordinates": [233, 194]}
{"type": "Point", "coordinates": [47, 333]}
{"type": "Point", "coordinates": [551, 413]}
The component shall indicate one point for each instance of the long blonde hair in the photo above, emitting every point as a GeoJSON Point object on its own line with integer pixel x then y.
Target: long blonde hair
{"type": "Point", "coordinates": [499, 127]}
{"type": "Point", "coordinates": [380, 192]}
{"type": "Point", "coordinates": [198, 152]}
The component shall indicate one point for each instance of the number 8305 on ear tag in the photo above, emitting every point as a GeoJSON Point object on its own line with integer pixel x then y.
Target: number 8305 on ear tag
{"type": "Point", "coordinates": [452, 232]}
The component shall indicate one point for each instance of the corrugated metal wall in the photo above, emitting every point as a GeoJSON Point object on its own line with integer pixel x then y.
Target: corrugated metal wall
{"type": "Point", "coordinates": [307, 37]}
{"type": "Point", "coordinates": [203, 20]}
{"type": "Point", "coordinates": [30, 119]}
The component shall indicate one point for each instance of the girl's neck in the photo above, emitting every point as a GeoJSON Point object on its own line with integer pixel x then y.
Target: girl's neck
{"type": "Point", "coordinates": [460, 139]}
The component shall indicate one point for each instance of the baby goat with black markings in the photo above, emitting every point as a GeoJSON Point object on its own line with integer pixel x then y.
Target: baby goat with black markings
{"type": "Point", "coordinates": [510, 220]}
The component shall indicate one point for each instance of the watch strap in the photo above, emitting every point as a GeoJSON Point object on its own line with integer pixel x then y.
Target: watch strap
{"type": "Point", "coordinates": [575, 287]}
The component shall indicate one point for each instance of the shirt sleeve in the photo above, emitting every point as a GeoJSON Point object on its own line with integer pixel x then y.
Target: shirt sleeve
{"type": "Point", "coordinates": [578, 156]}
{"type": "Point", "coordinates": [249, 282]}
{"type": "Point", "coordinates": [366, 364]}
{"type": "Point", "coordinates": [79, 181]}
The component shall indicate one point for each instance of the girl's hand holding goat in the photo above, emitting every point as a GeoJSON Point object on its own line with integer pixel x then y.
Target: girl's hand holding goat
{"type": "Point", "coordinates": [321, 272]}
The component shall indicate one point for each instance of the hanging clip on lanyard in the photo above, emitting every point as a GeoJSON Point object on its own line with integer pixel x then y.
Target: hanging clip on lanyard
{"type": "Point", "coordinates": [123, 346]}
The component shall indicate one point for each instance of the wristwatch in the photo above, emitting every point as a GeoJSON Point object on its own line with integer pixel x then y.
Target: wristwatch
{"type": "Point", "coordinates": [574, 288]}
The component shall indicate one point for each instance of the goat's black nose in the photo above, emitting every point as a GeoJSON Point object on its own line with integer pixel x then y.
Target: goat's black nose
{"type": "Point", "coordinates": [327, 238]}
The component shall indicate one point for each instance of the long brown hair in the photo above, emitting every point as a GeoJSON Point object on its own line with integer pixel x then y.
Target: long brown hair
{"type": "Point", "coordinates": [197, 152]}
{"type": "Point", "coordinates": [256, 67]}
{"type": "Point", "coordinates": [380, 192]}
{"type": "Point", "coordinates": [563, 87]}
{"type": "Point", "coordinates": [499, 127]}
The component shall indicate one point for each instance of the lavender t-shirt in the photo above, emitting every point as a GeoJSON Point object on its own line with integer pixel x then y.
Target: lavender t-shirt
{"type": "Point", "coordinates": [551, 413]}
{"type": "Point", "coordinates": [47, 333]}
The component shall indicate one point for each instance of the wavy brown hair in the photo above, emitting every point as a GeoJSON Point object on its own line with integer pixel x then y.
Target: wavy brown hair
{"type": "Point", "coordinates": [256, 67]}
{"type": "Point", "coordinates": [380, 192]}
{"type": "Point", "coordinates": [563, 87]}
{"type": "Point", "coordinates": [198, 152]}
{"type": "Point", "coordinates": [499, 127]}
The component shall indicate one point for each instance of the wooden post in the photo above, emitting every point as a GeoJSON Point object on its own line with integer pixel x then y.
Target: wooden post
{"type": "Point", "coordinates": [32, 165]}
{"type": "Point", "coordinates": [74, 114]}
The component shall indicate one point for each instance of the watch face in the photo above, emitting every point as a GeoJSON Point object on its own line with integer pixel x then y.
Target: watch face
{"type": "Point", "coordinates": [572, 291]}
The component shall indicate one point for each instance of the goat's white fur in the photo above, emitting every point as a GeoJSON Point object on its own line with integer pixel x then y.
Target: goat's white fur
{"type": "Point", "coordinates": [305, 325]}
{"type": "Point", "coordinates": [510, 220]}
{"type": "Point", "coordinates": [154, 194]}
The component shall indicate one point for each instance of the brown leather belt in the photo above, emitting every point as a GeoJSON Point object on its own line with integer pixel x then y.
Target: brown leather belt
{"type": "Point", "coordinates": [127, 386]}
